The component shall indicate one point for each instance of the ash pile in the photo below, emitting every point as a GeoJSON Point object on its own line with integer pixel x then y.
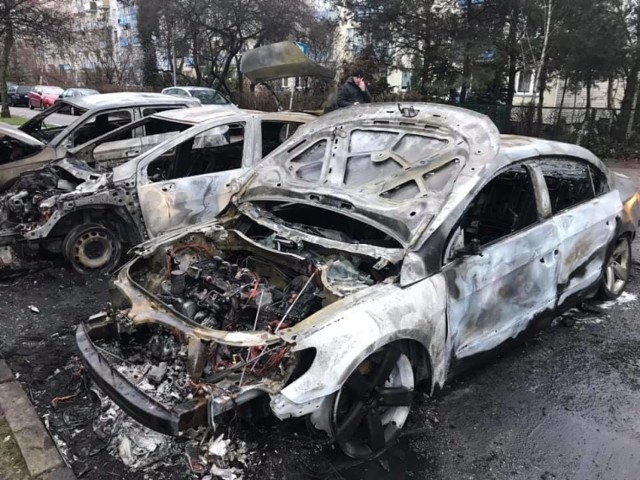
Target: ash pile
{"type": "Point", "coordinates": [87, 423]}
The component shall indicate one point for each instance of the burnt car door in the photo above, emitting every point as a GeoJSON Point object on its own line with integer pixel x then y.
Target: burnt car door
{"type": "Point", "coordinates": [501, 263]}
{"type": "Point", "coordinates": [191, 179]}
{"type": "Point", "coordinates": [586, 214]}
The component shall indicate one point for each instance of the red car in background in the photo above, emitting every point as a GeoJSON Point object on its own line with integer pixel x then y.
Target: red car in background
{"type": "Point", "coordinates": [43, 96]}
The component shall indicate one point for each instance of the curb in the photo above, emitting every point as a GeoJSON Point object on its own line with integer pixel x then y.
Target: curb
{"type": "Point", "coordinates": [38, 450]}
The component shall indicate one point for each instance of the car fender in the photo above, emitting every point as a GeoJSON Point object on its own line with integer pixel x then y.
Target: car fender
{"type": "Point", "coordinates": [347, 331]}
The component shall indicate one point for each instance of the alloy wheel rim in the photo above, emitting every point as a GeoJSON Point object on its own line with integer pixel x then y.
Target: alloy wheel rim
{"type": "Point", "coordinates": [373, 404]}
{"type": "Point", "coordinates": [617, 271]}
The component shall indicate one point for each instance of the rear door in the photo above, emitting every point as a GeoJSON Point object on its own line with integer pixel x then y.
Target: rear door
{"type": "Point", "coordinates": [191, 179]}
{"type": "Point", "coordinates": [585, 213]}
{"type": "Point", "coordinates": [501, 263]}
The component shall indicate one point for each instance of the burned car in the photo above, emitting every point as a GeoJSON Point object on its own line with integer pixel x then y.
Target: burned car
{"type": "Point", "coordinates": [39, 140]}
{"type": "Point", "coordinates": [186, 178]}
{"type": "Point", "coordinates": [380, 247]}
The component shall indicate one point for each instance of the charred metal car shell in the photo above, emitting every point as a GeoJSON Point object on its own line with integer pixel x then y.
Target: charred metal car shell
{"type": "Point", "coordinates": [37, 142]}
{"type": "Point", "coordinates": [189, 169]}
{"type": "Point", "coordinates": [381, 246]}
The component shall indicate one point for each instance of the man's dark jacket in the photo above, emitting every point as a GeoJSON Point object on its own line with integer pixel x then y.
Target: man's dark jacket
{"type": "Point", "coordinates": [350, 93]}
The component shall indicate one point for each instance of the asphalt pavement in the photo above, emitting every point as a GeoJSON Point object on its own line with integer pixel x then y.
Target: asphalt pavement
{"type": "Point", "coordinates": [55, 119]}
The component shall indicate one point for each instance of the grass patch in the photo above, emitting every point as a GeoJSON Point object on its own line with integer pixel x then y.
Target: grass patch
{"type": "Point", "coordinates": [12, 466]}
{"type": "Point", "coordinates": [17, 121]}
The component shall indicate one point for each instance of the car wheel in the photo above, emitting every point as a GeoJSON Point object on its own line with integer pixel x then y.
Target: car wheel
{"type": "Point", "coordinates": [371, 407]}
{"type": "Point", "coordinates": [92, 248]}
{"type": "Point", "coordinates": [30, 105]}
{"type": "Point", "coordinates": [616, 271]}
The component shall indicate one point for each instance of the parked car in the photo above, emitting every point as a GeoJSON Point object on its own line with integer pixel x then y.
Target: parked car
{"type": "Point", "coordinates": [49, 141]}
{"type": "Point", "coordinates": [20, 97]}
{"type": "Point", "coordinates": [379, 247]}
{"type": "Point", "coordinates": [75, 92]}
{"type": "Point", "coordinates": [187, 178]}
{"type": "Point", "coordinates": [43, 96]}
{"type": "Point", "coordinates": [206, 96]}
{"type": "Point", "coordinates": [11, 89]}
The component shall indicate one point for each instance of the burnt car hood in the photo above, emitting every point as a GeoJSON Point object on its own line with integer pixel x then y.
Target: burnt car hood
{"type": "Point", "coordinates": [19, 135]}
{"type": "Point", "coordinates": [280, 60]}
{"type": "Point", "coordinates": [400, 203]}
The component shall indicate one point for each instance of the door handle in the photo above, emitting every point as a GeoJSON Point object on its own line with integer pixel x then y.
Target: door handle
{"type": "Point", "coordinates": [169, 187]}
{"type": "Point", "coordinates": [132, 153]}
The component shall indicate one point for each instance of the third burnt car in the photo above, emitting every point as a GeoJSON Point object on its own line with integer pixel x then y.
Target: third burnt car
{"type": "Point", "coordinates": [377, 248]}
{"type": "Point", "coordinates": [40, 140]}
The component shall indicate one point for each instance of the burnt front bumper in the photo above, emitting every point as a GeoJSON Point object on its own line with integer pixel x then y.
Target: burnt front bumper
{"type": "Point", "coordinates": [141, 407]}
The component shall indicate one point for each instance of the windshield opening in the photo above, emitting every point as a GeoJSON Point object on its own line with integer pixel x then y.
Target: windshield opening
{"type": "Point", "coordinates": [326, 223]}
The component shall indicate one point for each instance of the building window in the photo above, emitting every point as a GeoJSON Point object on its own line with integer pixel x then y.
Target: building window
{"type": "Point", "coordinates": [525, 81]}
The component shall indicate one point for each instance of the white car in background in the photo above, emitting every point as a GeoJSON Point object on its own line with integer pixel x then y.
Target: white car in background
{"type": "Point", "coordinates": [206, 96]}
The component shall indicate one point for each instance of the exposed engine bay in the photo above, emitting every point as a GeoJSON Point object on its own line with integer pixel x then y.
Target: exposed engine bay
{"type": "Point", "coordinates": [20, 204]}
{"type": "Point", "coordinates": [232, 295]}
{"type": "Point", "coordinates": [221, 283]}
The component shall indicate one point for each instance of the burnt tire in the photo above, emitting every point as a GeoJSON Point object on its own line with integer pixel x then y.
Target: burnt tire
{"type": "Point", "coordinates": [616, 272]}
{"type": "Point", "coordinates": [369, 410]}
{"type": "Point", "coordinates": [92, 247]}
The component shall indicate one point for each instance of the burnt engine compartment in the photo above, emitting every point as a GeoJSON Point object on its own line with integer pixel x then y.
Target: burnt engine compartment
{"type": "Point", "coordinates": [245, 293]}
{"type": "Point", "coordinates": [20, 203]}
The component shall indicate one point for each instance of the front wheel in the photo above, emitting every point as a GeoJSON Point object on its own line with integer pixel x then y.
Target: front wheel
{"type": "Point", "coordinates": [373, 404]}
{"type": "Point", "coordinates": [616, 270]}
{"type": "Point", "coordinates": [92, 248]}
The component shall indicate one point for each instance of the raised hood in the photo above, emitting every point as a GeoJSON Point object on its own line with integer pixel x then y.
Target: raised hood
{"type": "Point", "coordinates": [19, 135]}
{"type": "Point", "coordinates": [387, 165]}
{"type": "Point", "coordinates": [280, 60]}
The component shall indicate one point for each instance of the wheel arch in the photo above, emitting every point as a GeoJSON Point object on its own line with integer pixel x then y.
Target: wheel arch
{"type": "Point", "coordinates": [106, 215]}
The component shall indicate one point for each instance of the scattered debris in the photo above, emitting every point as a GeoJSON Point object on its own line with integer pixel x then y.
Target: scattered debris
{"type": "Point", "coordinates": [34, 309]}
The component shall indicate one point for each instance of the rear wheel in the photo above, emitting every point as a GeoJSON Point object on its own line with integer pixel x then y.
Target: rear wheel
{"type": "Point", "coordinates": [373, 404]}
{"type": "Point", "coordinates": [92, 248]}
{"type": "Point", "coordinates": [616, 270]}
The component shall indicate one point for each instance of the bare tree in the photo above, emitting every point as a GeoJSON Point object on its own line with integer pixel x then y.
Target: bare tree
{"type": "Point", "coordinates": [24, 19]}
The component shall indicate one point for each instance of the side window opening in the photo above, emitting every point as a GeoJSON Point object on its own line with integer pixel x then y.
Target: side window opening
{"type": "Point", "coordinates": [101, 124]}
{"type": "Point", "coordinates": [506, 205]}
{"type": "Point", "coordinates": [599, 180]}
{"type": "Point", "coordinates": [274, 133]}
{"type": "Point", "coordinates": [569, 183]}
{"type": "Point", "coordinates": [216, 150]}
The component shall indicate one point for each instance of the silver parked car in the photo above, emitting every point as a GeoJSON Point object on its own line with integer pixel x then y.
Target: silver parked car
{"type": "Point", "coordinates": [40, 140]}
{"type": "Point", "coordinates": [379, 247]}
{"type": "Point", "coordinates": [205, 95]}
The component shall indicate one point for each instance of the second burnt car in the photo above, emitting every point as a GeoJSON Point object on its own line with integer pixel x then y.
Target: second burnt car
{"type": "Point", "coordinates": [183, 173]}
{"type": "Point", "coordinates": [380, 247]}
{"type": "Point", "coordinates": [39, 140]}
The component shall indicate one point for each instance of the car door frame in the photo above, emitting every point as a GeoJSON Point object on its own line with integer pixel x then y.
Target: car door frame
{"type": "Point", "coordinates": [595, 222]}
{"type": "Point", "coordinates": [151, 194]}
{"type": "Point", "coordinates": [464, 274]}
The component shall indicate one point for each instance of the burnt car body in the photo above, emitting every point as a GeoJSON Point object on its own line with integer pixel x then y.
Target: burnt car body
{"type": "Point", "coordinates": [183, 173]}
{"type": "Point", "coordinates": [380, 247]}
{"type": "Point", "coordinates": [100, 114]}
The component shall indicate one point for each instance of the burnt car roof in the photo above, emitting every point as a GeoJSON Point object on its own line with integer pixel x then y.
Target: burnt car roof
{"type": "Point", "coordinates": [404, 167]}
{"type": "Point", "coordinates": [124, 99]}
{"type": "Point", "coordinates": [198, 115]}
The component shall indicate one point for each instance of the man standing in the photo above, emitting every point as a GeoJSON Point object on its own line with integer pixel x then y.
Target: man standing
{"type": "Point", "coordinates": [354, 91]}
